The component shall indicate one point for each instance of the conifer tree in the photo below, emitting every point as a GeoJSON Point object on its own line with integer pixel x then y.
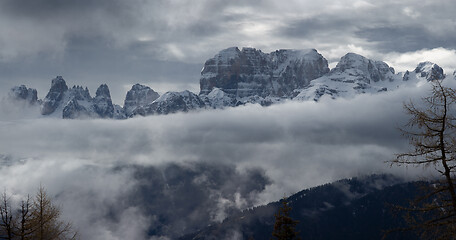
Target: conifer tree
{"type": "Point", "coordinates": [284, 227]}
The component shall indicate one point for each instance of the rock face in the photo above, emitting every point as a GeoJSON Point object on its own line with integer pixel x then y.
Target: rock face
{"type": "Point", "coordinates": [249, 75]}
{"type": "Point", "coordinates": [22, 93]}
{"type": "Point", "coordinates": [428, 70]}
{"type": "Point", "coordinates": [54, 96]}
{"type": "Point", "coordinates": [354, 74]}
{"type": "Point", "coordinates": [76, 102]}
{"type": "Point", "coordinates": [137, 99]}
{"type": "Point", "coordinates": [102, 102]}
{"type": "Point", "coordinates": [172, 102]}
{"type": "Point", "coordinates": [73, 110]}
{"type": "Point", "coordinates": [118, 112]}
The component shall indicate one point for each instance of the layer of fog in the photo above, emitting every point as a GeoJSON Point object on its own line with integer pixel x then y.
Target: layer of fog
{"type": "Point", "coordinates": [222, 160]}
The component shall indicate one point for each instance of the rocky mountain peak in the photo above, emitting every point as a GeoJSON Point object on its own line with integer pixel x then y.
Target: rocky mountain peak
{"type": "Point", "coordinates": [54, 96]}
{"type": "Point", "coordinates": [23, 93]}
{"type": "Point", "coordinates": [354, 74]}
{"type": "Point", "coordinates": [58, 84]}
{"type": "Point", "coordinates": [138, 97]}
{"type": "Point", "coordinates": [249, 75]}
{"type": "Point", "coordinates": [366, 69]}
{"type": "Point", "coordinates": [226, 55]}
{"type": "Point", "coordinates": [351, 60]}
{"type": "Point", "coordinates": [103, 92]}
{"type": "Point", "coordinates": [102, 103]}
{"type": "Point", "coordinates": [301, 65]}
{"type": "Point", "coordinates": [427, 70]}
{"type": "Point", "coordinates": [236, 77]}
{"type": "Point", "coordinates": [76, 102]}
{"type": "Point", "coordinates": [296, 54]}
{"type": "Point", "coordinates": [79, 93]}
{"type": "Point", "coordinates": [218, 99]}
{"type": "Point", "coordinates": [73, 110]}
{"type": "Point", "coordinates": [430, 71]}
{"type": "Point", "coordinates": [172, 102]}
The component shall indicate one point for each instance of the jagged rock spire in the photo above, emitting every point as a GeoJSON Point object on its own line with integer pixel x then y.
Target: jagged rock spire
{"type": "Point", "coordinates": [54, 96]}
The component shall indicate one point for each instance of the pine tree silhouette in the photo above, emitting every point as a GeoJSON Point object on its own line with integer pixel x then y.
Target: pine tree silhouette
{"type": "Point", "coordinates": [284, 227]}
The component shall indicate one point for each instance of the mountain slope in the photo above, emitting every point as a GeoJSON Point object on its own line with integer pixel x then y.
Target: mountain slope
{"type": "Point", "coordinates": [348, 209]}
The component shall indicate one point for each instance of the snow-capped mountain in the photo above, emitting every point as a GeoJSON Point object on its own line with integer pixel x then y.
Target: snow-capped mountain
{"type": "Point", "coordinates": [251, 76]}
{"type": "Point", "coordinates": [427, 70]}
{"type": "Point", "coordinates": [22, 93]}
{"type": "Point", "coordinates": [142, 100]}
{"type": "Point", "coordinates": [138, 98]}
{"type": "Point", "coordinates": [102, 102]}
{"type": "Point", "coordinates": [55, 96]}
{"type": "Point", "coordinates": [76, 102]}
{"type": "Point", "coordinates": [236, 77]}
{"type": "Point", "coordinates": [354, 74]}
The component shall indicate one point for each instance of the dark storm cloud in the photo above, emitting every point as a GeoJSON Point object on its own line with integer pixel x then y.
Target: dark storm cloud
{"type": "Point", "coordinates": [317, 26]}
{"type": "Point", "coordinates": [204, 28]}
{"type": "Point", "coordinates": [407, 38]}
{"type": "Point", "coordinates": [401, 27]}
{"type": "Point", "coordinates": [53, 9]}
{"type": "Point", "coordinates": [196, 25]}
{"type": "Point", "coordinates": [58, 20]}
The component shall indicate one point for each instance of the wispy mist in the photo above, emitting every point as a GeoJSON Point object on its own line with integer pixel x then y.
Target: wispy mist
{"type": "Point", "coordinates": [148, 171]}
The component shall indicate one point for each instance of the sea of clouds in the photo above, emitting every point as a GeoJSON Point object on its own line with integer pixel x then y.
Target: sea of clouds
{"type": "Point", "coordinates": [168, 175]}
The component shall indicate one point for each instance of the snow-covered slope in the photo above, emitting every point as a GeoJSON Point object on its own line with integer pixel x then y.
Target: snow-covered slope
{"type": "Point", "coordinates": [355, 74]}
{"type": "Point", "coordinates": [427, 70]}
{"type": "Point", "coordinates": [217, 98]}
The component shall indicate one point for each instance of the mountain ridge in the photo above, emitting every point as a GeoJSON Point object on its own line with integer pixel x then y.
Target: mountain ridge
{"type": "Point", "coordinates": [235, 77]}
{"type": "Point", "coordinates": [355, 208]}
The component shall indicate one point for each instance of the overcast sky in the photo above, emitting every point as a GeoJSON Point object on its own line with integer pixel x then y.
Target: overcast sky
{"type": "Point", "coordinates": [220, 159]}
{"type": "Point", "coordinates": [164, 43]}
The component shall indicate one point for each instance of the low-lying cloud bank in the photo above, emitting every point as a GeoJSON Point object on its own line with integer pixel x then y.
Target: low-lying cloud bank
{"type": "Point", "coordinates": [165, 175]}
